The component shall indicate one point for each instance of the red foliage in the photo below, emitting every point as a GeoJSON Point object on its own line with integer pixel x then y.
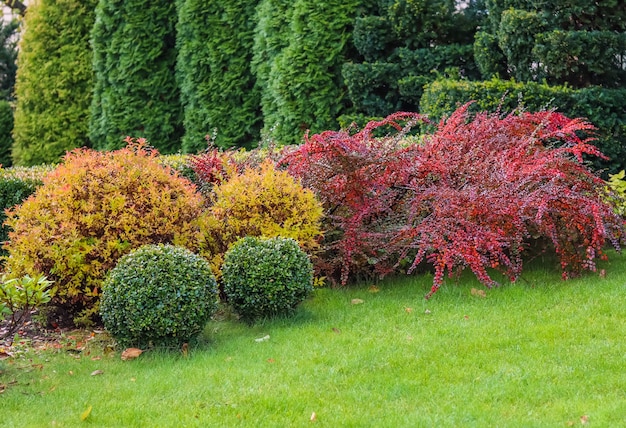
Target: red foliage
{"type": "Point", "coordinates": [475, 194]}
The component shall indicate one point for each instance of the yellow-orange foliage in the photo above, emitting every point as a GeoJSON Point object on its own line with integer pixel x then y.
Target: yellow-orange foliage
{"type": "Point", "coordinates": [94, 208]}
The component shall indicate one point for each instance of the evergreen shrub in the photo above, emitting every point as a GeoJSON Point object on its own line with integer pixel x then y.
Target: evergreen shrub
{"type": "Point", "coordinates": [266, 277]}
{"type": "Point", "coordinates": [158, 295]}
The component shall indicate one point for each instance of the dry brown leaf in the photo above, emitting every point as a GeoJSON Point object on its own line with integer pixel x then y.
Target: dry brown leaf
{"type": "Point", "coordinates": [96, 372]}
{"type": "Point", "coordinates": [357, 301]}
{"type": "Point", "coordinates": [271, 360]}
{"type": "Point", "coordinates": [313, 417]}
{"type": "Point", "coordinates": [408, 310]}
{"type": "Point", "coordinates": [373, 289]}
{"type": "Point", "coordinates": [131, 353]}
{"type": "Point", "coordinates": [477, 292]}
{"type": "Point", "coordinates": [336, 330]}
{"type": "Point", "coordinates": [584, 419]}
{"type": "Point", "coordinates": [185, 349]}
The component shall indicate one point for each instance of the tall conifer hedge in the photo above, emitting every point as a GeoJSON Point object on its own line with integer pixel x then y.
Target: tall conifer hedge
{"type": "Point", "coordinates": [54, 81]}
{"type": "Point", "coordinates": [218, 89]}
{"type": "Point", "coordinates": [134, 46]}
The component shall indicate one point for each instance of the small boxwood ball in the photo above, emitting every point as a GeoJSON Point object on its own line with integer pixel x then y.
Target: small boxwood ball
{"type": "Point", "coordinates": [158, 295]}
{"type": "Point", "coordinates": [266, 277]}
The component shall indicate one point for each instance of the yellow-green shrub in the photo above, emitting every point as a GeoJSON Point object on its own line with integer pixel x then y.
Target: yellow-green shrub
{"type": "Point", "coordinates": [260, 202]}
{"type": "Point", "coordinates": [94, 208]}
{"type": "Point", "coordinates": [617, 197]}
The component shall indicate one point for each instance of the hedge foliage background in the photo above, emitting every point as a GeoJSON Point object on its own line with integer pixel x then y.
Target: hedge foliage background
{"type": "Point", "coordinates": [247, 71]}
{"type": "Point", "coordinates": [54, 81]}
{"type": "Point", "coordinates": [135, 91]}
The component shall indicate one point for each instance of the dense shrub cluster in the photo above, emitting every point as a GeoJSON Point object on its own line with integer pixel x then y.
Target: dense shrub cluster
{"type": "Point", "coordinates": [91, 210]}
{"type": "Point", "coordinates": [6, 127]}
{"type": "Point", "coordinates": [266, 277]}
{"type": "Point", "coordinates": [477, 193]}
{"type": "Point", "coordinates": [260, 202]}
{"type": "Point", "coordinates": [158, 295]}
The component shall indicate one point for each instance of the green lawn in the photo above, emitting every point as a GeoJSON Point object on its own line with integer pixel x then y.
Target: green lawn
{"type": "Point", "coordinates": [539, 353]}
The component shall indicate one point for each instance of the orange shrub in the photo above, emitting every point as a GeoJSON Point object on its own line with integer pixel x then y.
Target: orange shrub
{"type": "Point", "coordinates": [94, 208]}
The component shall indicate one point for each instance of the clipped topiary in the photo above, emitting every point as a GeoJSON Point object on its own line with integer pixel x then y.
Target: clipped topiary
{"type": "Point", "coordinates": [260, 202]}
{"type": "Point", "coordinates": [158, 295]}
{"type": "Point", "coordinates": [90, 211]}
{"type": "Point", "coordinates": [266, 277]}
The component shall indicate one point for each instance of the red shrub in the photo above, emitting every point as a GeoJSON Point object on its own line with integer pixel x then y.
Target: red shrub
{"type": "Point", "coordinates": [475, 194]}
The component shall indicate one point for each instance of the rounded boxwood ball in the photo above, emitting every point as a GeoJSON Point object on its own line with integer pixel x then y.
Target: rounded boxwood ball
{"type": "Point", "coordinates": [266, 277]}
{"type": "Point", "coordinates": [158, 295]}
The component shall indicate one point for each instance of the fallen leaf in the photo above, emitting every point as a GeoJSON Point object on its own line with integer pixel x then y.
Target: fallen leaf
{"type": "Point", "coordinates": [584, 419]}
{"type": "Point", "coordinates": [96, 358]}
{"type": "Point", "coordinates": [262, 339]}
{"type": "Point", "coordinates": [336, 330]}
{"type": "Point", "coordinates": [478, 293]}
{"type": "Point", "coordinates": [408, 310]}
{"type": "Point", "coordinates": [86, 413]}
{"type": "Point", "coordinates": [4, 355]}
{"type": "Point", "coordinates": [185, 349]}
{"type": "Point", "coordinates": [131, 353]}
{"type": "Point", "coordinates": [70, 373]}
{"type": "Point", "coordinates": [466, 317]}
{"type": "Point", "coordinates": [313, 417]}
{"type": "Point", "coordinates": [96, 372]}
{"type": "Point", "coordinates": [373, 289]}
{"type": "Point", "coordinates": [271, 360]}
{"type": "Point", "coordinates": [427, 311]}
{"type": "Point", "coordinates": [133, 379]}
{"type": "Point", "coordinates": [602, 273]}
{"type": "Point", "coordinates": [357, 301]}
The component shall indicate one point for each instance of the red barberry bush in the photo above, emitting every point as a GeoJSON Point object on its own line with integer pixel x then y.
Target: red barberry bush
{"type": "Point", "coordinates": [477, 193]}
{"type": "Point", "coordinates": [91, 210]}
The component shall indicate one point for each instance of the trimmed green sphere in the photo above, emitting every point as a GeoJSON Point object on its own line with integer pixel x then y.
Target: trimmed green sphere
{"type": "Point", "coordinates": [266, 277]}
{"type": "Point", "coordinates": [158, 295]}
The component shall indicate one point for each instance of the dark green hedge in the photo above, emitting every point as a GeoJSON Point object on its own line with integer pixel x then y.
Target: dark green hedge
{"type": "Point", "coordinates": [6, 127]}
{"type": "Point", "coordinates": [601, 106]}
{"type": "Point", "coordinates": [217, 86]}
{"type": "Point", "coordinates": [135, 90]}
{"type": "Point", "coordinates": [305, 81]}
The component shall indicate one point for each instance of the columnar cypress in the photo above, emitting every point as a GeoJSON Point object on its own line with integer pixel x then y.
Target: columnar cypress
{"type": "Point", "coordinates": [305, 80]}
{"type": "Point", "coordinates": [54, 81]}
{"type": "Point", "coordinates": [271, 36]}
{"type": "Point", "coordinates": [218, 89]}
{"type": "Point", "coordinates": [135, 86]}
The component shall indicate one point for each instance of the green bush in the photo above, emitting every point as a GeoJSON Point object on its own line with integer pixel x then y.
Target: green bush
{"type": "Point", "coordinates": [6, 128]}
{"type": "Point", "coordinates": [8, 57]}
{"type": "Point", "coordinates": [158, 295]}
{"type": "Point", "coordinates": [218, 91]}
{"type": "Point", "coordinates": [54, 81]}
{"type": "Point", "coordinates": [305, 81]}
{"type": "Point", "coordinates": [17, 184]}
{"type": "Point", "coordinates": [601, 106]}
{"type": "Point", "coordinates": [266, 277]}
{"type": "Point", "coordinates": [617, 194]}
{"type": "Point", "coordinates": [135, 91]}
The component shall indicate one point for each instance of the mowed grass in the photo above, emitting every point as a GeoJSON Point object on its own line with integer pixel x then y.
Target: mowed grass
{"type": "Point", "coordinates": [539, 353]}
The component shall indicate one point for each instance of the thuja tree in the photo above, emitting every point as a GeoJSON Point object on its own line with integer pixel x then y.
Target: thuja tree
{"type": "Point", "coordinates": [305, 81]}
{"type": "Point", "coordinates": [54, 81]}
{"type": "Point", "coordinates": [478, 193]}
{"type": "Point", "coordinates": [217, 86]}
{"type": "Point", "coordinates": [134, 58]}
{"type": "Point", "coordinates": [271, 36]}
